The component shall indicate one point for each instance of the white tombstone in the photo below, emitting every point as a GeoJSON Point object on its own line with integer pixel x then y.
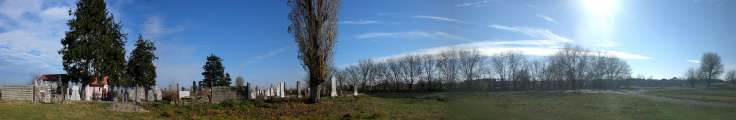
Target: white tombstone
{"type": "Point", "coordinates": [298, 90]}
{"type": "Point", "coordinates": [283, 89]}
{"type": "Point", "coordinates": [75, 93]}
{"type": "Point", "coordinates": [333, 86]}
{"type": "Point", "coordinates": [183, 94]}
{"type": "Point", "coordinates": [355, 90]}
{"type": "Point", "coordinates": [159, 96]}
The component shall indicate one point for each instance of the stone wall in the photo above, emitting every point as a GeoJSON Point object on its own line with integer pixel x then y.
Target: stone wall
{"type": "Point", "coordinates": [17, 92]}
{"type": "Point", "coordinates": [226, 93]}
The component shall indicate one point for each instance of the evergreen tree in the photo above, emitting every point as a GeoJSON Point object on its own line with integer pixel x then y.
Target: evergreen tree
{"type": "Point", "coordinates": [93, 46]}
{"type": "Point", "coordinates": [239, 81]}
{"type": "Point", "coordinates": [226, 81]}
{"type": "Point", "coordinates": [214, 72]}
{"type": "Point", "coordinates": [141, 70]}
{"type": "Point", "coordinates": [194, 86]}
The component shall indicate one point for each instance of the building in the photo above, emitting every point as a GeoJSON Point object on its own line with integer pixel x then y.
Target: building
{"type": "Point", "coordinates": [48, 88]}
{"type": "Point", "coordinates": [97, 89]}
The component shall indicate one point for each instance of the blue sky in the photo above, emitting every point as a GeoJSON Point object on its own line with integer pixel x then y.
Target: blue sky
{"type": "Point", "coordinates": [659, 38]}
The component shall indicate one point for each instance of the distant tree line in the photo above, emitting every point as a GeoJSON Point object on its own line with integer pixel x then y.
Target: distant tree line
{"type": "Point", "coordinates": [572, 67]}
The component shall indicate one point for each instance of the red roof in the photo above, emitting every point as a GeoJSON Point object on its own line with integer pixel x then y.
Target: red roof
{"type": "Point", "coordinates": [95, 82]}
{"type": "Point", "coordinates": [51, 77]}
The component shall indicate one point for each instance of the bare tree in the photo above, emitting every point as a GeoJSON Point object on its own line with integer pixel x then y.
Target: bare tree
{"type": "Point", "coordinates": [507, 65]}
{"type": "Point", "coordinates": [711, 67]}
{"type": "Point", "coordinates": [470, 62]}
{"type": "Point", "coordinates": [731, 77]}
{"type": "Point", "coordinates": [366, 68]}
{"type": "Point", "coordinates": [569, 65]}
{"type": "Point", "coordinates": [447, 64]}
{"type": "Point", "coordinates": [691, 76]}
{"type": "Point", "coordinates": [428, 63]}
{"type": "Point", "coordinates": [412, 69]}
{"type": "Point", "coordinates": [314, 26]}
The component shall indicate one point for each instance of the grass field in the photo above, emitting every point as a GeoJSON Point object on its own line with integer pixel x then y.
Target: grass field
{"type": "Point", "coordinates": [499, 105]}
{"type": "Point", "coordinates": [727, 95]}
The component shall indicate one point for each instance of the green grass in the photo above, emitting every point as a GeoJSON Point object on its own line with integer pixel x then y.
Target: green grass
{"type": "Point", "coordinates": [727, 95]}
{"type": "Point", "coordinates": [26, 111]}
{"type": "Point", "coordinates": [536, 106]}
{"type": "Point", "coordinates": [504, 106]}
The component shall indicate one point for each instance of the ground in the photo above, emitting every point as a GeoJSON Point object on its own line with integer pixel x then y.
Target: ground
{"type": "Point", "coordinates": [668, 103]}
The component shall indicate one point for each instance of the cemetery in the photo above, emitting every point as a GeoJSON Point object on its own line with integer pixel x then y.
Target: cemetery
{"type": "Point", "coordinates": [367, 59]}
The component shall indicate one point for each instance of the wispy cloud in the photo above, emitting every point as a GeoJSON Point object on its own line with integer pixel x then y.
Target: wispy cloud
{"type": "Point", "coordinates": [492, 47]}
{"type": "Point", "coordinates": [547, 18]}
{"type": "Point", "coordinates": [360, 22]}
{"type": "Point", "coordinates": [155, 28]}
{"type": "Point", "coordinates": [473, 4]}
{"type": "Point", "coordinates": [411, 35]}
{"type": "Point", "coordinates": [29, 38]}
{"type": "Point", "coordinates": [438, 18]}
{"type": "Point", "coordinates": [694, 61]}
{"type": "Point", "coordinates": [267, 55]}
{"type": "Point", "coordinates": [544, 43]}
{"type": "Point", "coordinates": [538, 33]}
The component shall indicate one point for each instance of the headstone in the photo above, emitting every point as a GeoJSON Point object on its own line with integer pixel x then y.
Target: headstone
{"type": "Point", "coordinates": [355, 90]}
{"type": "Point", "coordinates": [283, 89]}
{"type": "Point", "coordinates": [298, 90]}
{"type": "Point", "coordinates": [333, 85]}
{"type": "Point", "coordinates": [75, 93]}
{"type": "Point", "coordinates": [251, 92]}
{"type": "Point", "coordinates": [159, 95]}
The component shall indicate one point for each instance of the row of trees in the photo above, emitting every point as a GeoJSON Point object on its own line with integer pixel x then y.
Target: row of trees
{"type": "Point", "coordinates": [709, 71]}
{"type": "Point", "coordinates": [93, 50]}
{"type": "Point", "coordinates": [571, 68]}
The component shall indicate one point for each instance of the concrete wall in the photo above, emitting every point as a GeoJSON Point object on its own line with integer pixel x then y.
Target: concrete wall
{"type": "Point", "coordinates": [17, 92]}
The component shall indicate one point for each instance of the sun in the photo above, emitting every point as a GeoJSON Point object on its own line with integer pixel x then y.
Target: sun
{"type": "Point", "coordinates": [601, 8]}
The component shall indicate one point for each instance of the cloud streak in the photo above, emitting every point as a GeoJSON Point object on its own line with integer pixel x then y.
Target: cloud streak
{"type": "Point", "coordinates": [545, 43]}
{"type": "Point", "coordinates": [473, 4]}
{"type": "Point", "coordinates": [360, 22]}
{"type": "Point", "coordinates": [438, 18]}
{"type": "Point", "coordinates": [547, 18]}
{"type": "Point", "coordinates": [412, 35]}
{"type": "Point", "coordinates": [267, 55]}
{"type": "Point", "coordinates": [694, 61]}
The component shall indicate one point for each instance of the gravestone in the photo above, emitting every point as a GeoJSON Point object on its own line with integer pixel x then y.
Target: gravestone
{"type": "Point", "coordinates": [159, 95]}
{"type": "Point", "coordinates": [282, 89]}
{"type": "Point", "coordinates": [75, 93]}
{"type": "Point", "coordinates": [333, 86]}
{"type": "Point", "coordinates": [298, 90]}
{"type": "Point", "coordinates": [355, 90]}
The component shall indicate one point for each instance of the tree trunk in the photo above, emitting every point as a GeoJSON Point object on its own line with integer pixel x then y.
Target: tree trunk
{"type": "Point", "coordinates": [313, 93]}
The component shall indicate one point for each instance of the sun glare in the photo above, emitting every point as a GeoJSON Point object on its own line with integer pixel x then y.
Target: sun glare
{"type": "Point", "coordinates": [601, 8]}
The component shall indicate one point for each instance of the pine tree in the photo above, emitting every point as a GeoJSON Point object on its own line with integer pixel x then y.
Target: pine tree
{"type": "Point", "coordinates": [214, 72]}
{"type": "Point", "coordinates": [226, 81]}
{"type": "Point", "coordinates": [239, 81]}
{"type": "Point", "coordinates": [93, 46]}
{"type": "Point", "coordinates": [141, 70]}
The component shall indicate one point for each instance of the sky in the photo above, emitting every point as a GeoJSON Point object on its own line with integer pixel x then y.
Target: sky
{"type": "Point", "coordinates": [658, 38]}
